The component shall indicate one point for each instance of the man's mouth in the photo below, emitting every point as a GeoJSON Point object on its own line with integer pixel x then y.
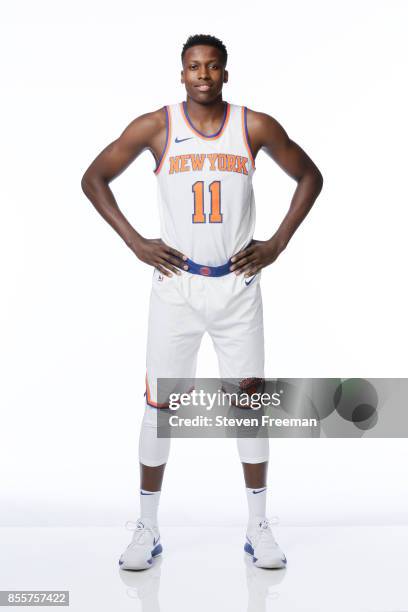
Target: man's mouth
{"type": "Point", "coordinates": [203, 87]}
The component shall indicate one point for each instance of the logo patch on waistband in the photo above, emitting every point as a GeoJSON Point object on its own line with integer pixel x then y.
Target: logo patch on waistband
{"type": "Point", "coordinates": [205, 271]}
{"type": "Point", "coordinates": [248, 281]}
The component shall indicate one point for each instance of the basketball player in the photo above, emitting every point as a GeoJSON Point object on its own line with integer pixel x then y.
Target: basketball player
{"type": "Point", "coordinates": [207, 266]}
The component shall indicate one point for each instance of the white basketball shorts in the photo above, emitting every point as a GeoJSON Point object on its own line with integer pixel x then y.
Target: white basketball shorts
{"type": "Point", "coordinates": [183, 307]}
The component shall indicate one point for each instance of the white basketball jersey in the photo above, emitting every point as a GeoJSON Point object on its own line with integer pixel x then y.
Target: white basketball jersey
{"type": "Point", "coordinates": [205, 195]}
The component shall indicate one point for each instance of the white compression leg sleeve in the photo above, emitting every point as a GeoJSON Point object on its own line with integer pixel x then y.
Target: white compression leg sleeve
{"type": "Point", "coordinates": [153, 451]}
{"type": "Point", "coordinates": [253, 450]}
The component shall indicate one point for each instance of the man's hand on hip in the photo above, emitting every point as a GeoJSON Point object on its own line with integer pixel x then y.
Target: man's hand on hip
{"type": "Point", "coordinates": [258, 255]}
{"type": "Point", "coordinates": [157, 253]}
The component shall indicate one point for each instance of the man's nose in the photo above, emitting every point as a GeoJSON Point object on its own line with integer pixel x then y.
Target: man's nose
{"type": "Point", "coordinates": [203, 74]}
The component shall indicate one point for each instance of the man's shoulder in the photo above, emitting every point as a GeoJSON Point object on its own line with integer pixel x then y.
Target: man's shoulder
{"type": "Point", "coordinates": [258, 118]}
{"type": "Point", "coordinates": [146, 127]}
{"type": "Point", "coordinates": [154, 119]}
{"type": "Point", "coordinates": [262, 125]}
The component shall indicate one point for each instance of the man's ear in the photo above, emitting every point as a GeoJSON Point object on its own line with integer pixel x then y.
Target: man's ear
{"type": "Point", "coordinates": [182, 76]}
{"type": "Point", "coordinates": [225, 76]}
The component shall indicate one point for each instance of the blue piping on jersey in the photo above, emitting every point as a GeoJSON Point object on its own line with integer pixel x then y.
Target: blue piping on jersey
{"type": "Point", "coordinates": [198, 131]}
{"type": "Point", "coordinates": [167, 140]}
{"type": "Point", "coordinates": [247, 135]}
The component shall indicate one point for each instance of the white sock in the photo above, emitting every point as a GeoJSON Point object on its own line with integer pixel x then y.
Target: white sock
{"type": "Point", "coordinates": [149, 504]}
{"type": "Point", "coordinates": [256, 504]}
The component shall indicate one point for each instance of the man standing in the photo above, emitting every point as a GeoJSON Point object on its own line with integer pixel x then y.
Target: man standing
{"type": "Point", "coordinates": [207, 266]}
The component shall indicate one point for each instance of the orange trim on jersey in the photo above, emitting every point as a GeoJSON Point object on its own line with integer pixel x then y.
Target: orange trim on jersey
{"type": "Point", "coordinates": [193, 129]}
{"type": "Point", "coordinates": [245, 135]}
{"type": "Point", "coordinates": [168, 140]}
{"type": "Point", "coordinates": [150, 401]}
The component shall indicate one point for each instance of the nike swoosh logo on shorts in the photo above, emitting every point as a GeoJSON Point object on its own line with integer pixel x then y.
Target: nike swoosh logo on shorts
{"type": "Point", "coordinates": [182, 139]}
{"type": "Point", "coordinates": [248, 282]}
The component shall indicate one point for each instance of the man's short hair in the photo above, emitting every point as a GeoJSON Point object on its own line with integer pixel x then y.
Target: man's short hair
{"type": "Point", "coordinates": [206, 39]}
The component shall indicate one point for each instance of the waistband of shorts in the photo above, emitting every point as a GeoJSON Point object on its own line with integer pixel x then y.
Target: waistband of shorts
{"type": "Point", "coordinates": [196, 268]}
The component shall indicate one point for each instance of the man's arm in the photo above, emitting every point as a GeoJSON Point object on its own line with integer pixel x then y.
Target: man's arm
{"type": "Point", "coordinates": [267, 134]}
{"type": "Point", "coordinates": [146, 132]}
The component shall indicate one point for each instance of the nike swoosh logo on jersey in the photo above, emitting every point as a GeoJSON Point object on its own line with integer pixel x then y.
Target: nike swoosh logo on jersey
{"type": "Point", "coordinates": [182, 139]}
{"type": "Point", "coordinates": [248, 282]}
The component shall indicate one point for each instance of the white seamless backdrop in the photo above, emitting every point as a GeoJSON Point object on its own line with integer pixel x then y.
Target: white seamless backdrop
{"type": "Point", "coordinates": [74, 310]}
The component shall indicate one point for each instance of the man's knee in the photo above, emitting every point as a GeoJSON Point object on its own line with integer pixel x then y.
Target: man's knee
{"type": "Point", "coordinates": [153, 451]}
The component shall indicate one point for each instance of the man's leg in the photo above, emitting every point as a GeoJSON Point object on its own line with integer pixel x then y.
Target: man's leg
{"type": "Point", "coordinates": [238, 336]}
{"type": "Point", "coordinates": [153, 456]}
{"type": "Point", "coordinates": [254, 456]}
{"type": "Point", "coordinates": [151, 478]}
{"type": "Point", "coordinates": [255, 474]}
{"type": "Point", "coordinates": [260, 543]}
{"type": "Point", "coordinates": [173, 340]}
{"type": "Point", "coordinates": [174, 336]}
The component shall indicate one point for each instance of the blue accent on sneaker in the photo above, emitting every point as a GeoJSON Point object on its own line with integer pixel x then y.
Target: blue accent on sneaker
{"type": "Point", "coordinates": [157, 550]}
{"type": "Point", "coordinates": [249, 549]}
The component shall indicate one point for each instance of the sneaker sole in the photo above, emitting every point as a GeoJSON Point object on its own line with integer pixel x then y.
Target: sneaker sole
{"type": "Point", "coordinates": [279, 564]}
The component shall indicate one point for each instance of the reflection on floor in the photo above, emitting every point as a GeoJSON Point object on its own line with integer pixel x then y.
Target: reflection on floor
{"type": "Point", "coordinates": [358, 569]}
{"type": "Point", "coordinates": [144, 586]}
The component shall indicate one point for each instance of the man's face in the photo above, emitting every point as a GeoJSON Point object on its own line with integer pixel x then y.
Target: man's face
{"type": "Point", "coordinates": [203, 73]}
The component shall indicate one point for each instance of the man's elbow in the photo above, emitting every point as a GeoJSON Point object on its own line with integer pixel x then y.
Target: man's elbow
{"type": "Point", "coordinates": [84, 184]}
{"type": "Point", "coordinates": [319, 181]}
{"type": "Point", "coordinates": [89, 181]}
{"type": "Point", "coordinates": [316, 177]}
{"type": "Point", "coordinates": [86, 181]}
{"type": "Point", "coordinates": [320, 178]}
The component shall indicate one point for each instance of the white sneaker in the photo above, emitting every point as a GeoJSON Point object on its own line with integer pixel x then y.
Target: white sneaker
{"type": "Point", "coordinates": [262, 547]}
{"type": "Point", "coordinates": [143, 547]}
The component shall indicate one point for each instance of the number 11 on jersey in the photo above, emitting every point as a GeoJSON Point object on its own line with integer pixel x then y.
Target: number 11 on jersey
{"type": "Point", "coordinates": [199, 215]}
